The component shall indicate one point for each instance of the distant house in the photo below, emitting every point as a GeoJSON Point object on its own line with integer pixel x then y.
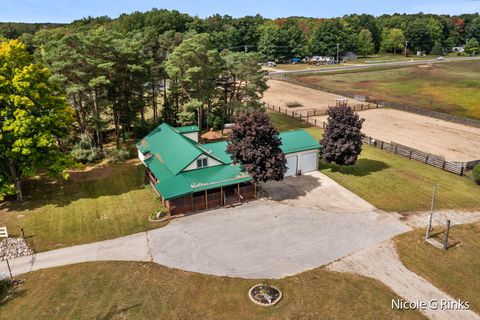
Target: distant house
{"type": "Point", "coordinates": [458, 49]}
{"type": "Point", "coordinates": [190, 176]}
{"type": "Point", "coordinates": [350, 56]}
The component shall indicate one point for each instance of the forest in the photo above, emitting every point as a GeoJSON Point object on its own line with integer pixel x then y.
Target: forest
{"type": "Point", "coordinates": [99, 80]}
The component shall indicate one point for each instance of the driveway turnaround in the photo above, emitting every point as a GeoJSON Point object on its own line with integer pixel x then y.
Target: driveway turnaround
{"type": "Point", "coordinates": [318, 223]}
{"type": "Point", "coordinates": [264, 239]}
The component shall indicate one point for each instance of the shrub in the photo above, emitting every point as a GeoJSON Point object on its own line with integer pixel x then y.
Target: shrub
{"type": "Point", "coordinates": [84, 151]}
{"type": "Point", "coordinates": [121, 154]}
{"type": "Point", "coordinates": [476, 174]}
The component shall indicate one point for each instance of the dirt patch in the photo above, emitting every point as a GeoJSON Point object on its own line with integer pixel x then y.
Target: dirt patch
{"type": "Point", "coordinates": [454, 142]}
{"type": "Point", "coordinates": [281, 93]}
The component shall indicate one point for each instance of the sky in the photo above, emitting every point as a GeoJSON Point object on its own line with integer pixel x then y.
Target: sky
{"type": "Point", "coordinates": [69, 10]}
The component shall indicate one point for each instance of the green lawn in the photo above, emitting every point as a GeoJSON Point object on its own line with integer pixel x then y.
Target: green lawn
{"type": "Point", "coordinates": [102, 203]}
{"type": "Point", "coordinates": [132, 290]}
{"type": "Point", "coordinates": [455, 271]}
{"type": "Point", "coordinates": [392, 182]}
{"type": "Point", "coordinates": [452, 88]}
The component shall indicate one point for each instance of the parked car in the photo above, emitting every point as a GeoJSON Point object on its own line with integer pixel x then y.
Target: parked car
{"type": "Point", "coordinates": [440, 58]}
{"type": "Point", "coordinates": [295, 60]}
{"type": "Point", "coordinates": [271, 64]}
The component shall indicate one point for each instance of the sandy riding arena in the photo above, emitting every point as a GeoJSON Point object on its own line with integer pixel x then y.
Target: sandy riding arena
{"type": "Point", "coordinates": [454, 142]}
{"type": "Point", "coordinates": [281, 93]}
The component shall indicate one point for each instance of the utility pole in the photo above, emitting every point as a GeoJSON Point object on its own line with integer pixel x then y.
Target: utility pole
{"type": "Point", "coordinates": [429, 227]}
{"type": "Point", "coordinates": [406, 45]}
{"type": "Point", "coordinates": [245, 48]}
{"type": "Point", "coordinates": [338, 49]}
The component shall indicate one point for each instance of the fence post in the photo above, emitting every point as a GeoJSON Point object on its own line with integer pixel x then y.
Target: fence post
{"type": "Point", "coordinates": [447, 231]}
{"type": "Point", "coordinates": [410, 156]}
{"type": "Point", "coordinates": [361, 106]}
{"type": "Point", "coordinates": [462, 170]}
{"type": "Point", "coordinates": [315, 121]}
{"type": "Point", "coordinates": [426, 159]}
{"type": "Point", "coordinates": [443, 164]}
{"type": "Point", "coordinates": [381, 147]}
{"type": "Point", "coordinates": [395, 150]}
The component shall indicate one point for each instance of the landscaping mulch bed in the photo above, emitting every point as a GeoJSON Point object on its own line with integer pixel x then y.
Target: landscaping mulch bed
{"type": "Point", "coordinates": [264, 295]}
{"type": "Point", "coordinates": [13, 248]}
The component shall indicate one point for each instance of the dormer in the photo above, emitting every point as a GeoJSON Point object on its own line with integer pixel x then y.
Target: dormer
{"type": "Point", "coordinates": [191, 132]}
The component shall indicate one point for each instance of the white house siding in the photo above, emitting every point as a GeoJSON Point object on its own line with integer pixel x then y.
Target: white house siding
{"type": "Point", "coordinates": [211, 163]}
{"type": "Point", "coordinates": [141, 156]}
{"type": "Point", "coordinates": [305, 161]}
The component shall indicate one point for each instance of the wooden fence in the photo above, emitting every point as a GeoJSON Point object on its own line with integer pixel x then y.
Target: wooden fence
{"type": "Point", "coordinates": [390, 104]}
{"type": "Point", "coordinates": [414, 154]}
{"type": "Point", "coordinates": [411, 153]}
{"type": "Point", "coordinates": [307, 113]}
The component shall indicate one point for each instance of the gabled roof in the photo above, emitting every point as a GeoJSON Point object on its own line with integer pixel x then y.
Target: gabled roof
{"type": "Point", "coordinates": [218, 150]}
{"type": "Point", "coordinates": [187, 129]}
{"type": "Point", "coordinates": [297, 141]}
{"type": "Point", "coordinates": [173, 149]}
{"type": "Point", "coordinates": [171, 152]}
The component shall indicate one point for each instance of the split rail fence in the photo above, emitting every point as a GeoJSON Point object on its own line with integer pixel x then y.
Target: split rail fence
{"type": "Point", "coordinates": [458, 168]}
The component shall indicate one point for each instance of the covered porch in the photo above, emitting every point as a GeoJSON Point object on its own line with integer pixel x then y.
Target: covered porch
{"type": "Point", "coordinates": [227, 196]}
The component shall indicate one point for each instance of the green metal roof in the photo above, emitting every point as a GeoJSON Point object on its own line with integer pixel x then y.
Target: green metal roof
{"type": "Point", "coordinates": [187, 129]}
{"type": "Point", "coordinates": [215, 177]}
{"type": "Point", "coordinates": [171, 153]}
{"type": "Point", "coordinates": [297, 141]}
{"type": "Point", "coordinates": [217, 150]}
{"type": "Point", "coordinates": [173, 149]}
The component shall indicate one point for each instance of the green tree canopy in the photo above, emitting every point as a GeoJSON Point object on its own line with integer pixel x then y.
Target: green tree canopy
{"type": "Point", "coordinates": [365, 45]}
{"type": "Point", "coordinates": [34, 117]}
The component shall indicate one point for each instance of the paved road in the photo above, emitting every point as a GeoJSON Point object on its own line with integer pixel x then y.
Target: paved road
{"type": "Point", "coordinates": [373, 65]}
{"type": "Point", "coordinates": [261, 239]}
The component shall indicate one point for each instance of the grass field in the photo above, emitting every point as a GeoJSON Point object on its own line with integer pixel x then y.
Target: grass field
{"type": "Point", "coordinates": [130, 290]}
{"type": "Point", "coordinates": [392, 182]}
{"type": "Point", "coordinates": [101, 203]}
{"type": "Point", "coordinates": [455, 271]}
{"type": "Point", "coordinates": [452, 88]}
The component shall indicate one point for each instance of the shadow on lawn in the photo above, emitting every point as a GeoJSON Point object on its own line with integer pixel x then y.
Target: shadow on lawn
{"type": "Point", "coordinates": [362, 168]}
{"type": "Point", "coordinates": [109, 180]}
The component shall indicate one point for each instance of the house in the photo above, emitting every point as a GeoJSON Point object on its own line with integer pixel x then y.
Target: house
{"type": "Point", "coordinates": [190, 176]}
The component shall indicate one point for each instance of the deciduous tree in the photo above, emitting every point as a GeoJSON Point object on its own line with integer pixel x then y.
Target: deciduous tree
{"type": "Point", "coordinates": [34, 117]}
{"type": "Point", "coordinates": [255, 144]}
{"type": "Point", "coordinates": [342, 141]}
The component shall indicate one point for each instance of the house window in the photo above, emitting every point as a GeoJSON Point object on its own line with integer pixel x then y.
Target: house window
{"type": "Point", "coordinates": [202, 162]}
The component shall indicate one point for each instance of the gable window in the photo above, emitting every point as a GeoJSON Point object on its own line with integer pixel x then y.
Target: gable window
{"type": "Point", "coordinates": [202, 162]}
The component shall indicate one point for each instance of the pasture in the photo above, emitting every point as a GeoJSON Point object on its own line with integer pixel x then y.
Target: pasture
{"type": "Point", "coordinates": [452, 88]}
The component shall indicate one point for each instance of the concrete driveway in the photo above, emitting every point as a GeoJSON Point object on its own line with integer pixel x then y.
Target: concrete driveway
{"type": "Point", "coordinates": [316, 190]}
{"type": "Point", "coordinates": [312, 222]}
{"type": "Point", "coordinates": [264, 239]}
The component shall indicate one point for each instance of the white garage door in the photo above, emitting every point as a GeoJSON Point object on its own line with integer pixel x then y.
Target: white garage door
{"type": "Point", "coordinates": [308, 162]}
{"type": "Point", "coordinates": [291, 166]}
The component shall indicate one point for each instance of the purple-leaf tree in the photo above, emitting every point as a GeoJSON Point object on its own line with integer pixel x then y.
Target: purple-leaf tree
{"type": "Point", "coordinates": [254, 143]}
{"type": "Point", "coordinates": [342, 140]}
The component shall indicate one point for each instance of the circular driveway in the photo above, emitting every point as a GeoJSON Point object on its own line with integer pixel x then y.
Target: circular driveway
{"type": "Point", "coordinates": [267, 239]}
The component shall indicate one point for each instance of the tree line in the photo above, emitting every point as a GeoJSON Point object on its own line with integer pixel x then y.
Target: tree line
{"type": "Point", "coordinates": [75, 86]}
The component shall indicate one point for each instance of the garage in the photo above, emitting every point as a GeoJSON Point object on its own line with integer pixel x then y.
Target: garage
{"type": "Point", "coordinates": [291, 166]}
{"type": "Point", "coordinates": [301, 152]}
{"type": "Point", "coordinates": [308, 162]}
{"type": "Point", "coordinates": [301, 163]}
